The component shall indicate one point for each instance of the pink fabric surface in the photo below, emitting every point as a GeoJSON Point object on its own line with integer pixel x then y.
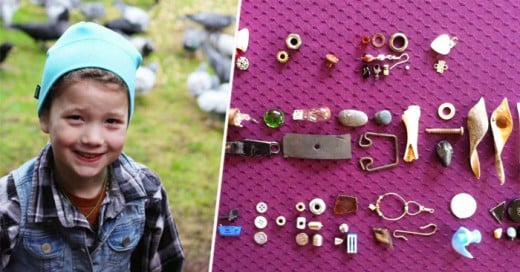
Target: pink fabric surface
{"type": "Point", "coordinates": [484, 63]}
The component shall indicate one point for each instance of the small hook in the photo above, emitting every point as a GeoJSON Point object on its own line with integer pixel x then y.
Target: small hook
{"type": "Point", "coordinates": [402, 61]}
{"type": "Point", "coordinates": [433, 226]}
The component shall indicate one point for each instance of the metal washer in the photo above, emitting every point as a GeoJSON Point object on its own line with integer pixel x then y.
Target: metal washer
{"type": "Point", "coordinates": [449, 107]}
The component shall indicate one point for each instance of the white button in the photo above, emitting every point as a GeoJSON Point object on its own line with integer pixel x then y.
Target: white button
{"type": "Point", "coordinates": [260, 222]}
{"type": "Point", "coordinates": [260, 238]}
{"type": "Point", "coordinates": [261, 207]}
{"type": "Point", "coordinates": [463, 205]}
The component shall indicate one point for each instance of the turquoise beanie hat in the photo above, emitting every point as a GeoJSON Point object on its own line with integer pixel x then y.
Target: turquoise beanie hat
{"type": "Point", "coordinates": [89, 45]}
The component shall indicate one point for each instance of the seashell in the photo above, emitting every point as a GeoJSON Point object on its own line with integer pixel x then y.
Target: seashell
{"type": "Point", "coordinates": [477, 126]}
{"type": "Point", "coordinates": [242, 39]}
{"type": "Point", "coordinates": [352, 118]}
{"type": "Point", "coordinates": [444, 152]}
{"type": "Point", "coordinates": [411, 121]}
{"type": "Point", "coordinates": [501, 127]}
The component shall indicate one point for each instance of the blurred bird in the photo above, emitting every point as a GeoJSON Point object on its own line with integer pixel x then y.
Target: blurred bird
{"type": "Point", "coordinates": [124, 26]}
{"type": "Point", "coordinates": [45, 31]}
{"type": "Point", "coordinates": [221, 64]}
{"type": "Point", "coordinates": [224, 43]}
{"type": "Point", "coordinates": [200, 81]}
{"type": "Point", "coordinates": [216, 102]}
{"type": "Point", "coordinates": [212, 21]}
{"type": "Point", "coordinates": [54, 8]}
{"type": "Point", "coordinates": [7, 10]}
{"type": "Point", "coordinates": [192, 39]}
{"type": "Point", "coordinates": [5, 48]}
{"type": "Point", "coordinates": [134, 15]}
{"type": "Point", "coordinates": [92, 11]}
{"type": "Point", "coordinates": [145, 78]}
{"type": "Point", "coordinates": [144, 45]}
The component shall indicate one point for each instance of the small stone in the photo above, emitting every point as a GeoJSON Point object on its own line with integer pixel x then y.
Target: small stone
{"type": "Point", "coordinates": [383, 117]}
{"type": "Point", "coordinates": [497, 233]}
{"type": "Point", "coordinates": [366, 71]}
{"type": "Point", "coordinates": [274, 118]}
{"type": "Point", "coordinates": [345, 204]}
{"type": "Point", "coordinates": [352, 118]}
{"type": "Point", "coordinates": [383, 236]}
{"type": "Point", "coordinates": [444, 152]}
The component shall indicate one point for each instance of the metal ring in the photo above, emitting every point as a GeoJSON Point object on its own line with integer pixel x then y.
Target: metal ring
{"type": "Point", "coordinates": [378, 40]}
{"type": "Point", "coordinates": [280, 220]}
{"type": "Point", "coordinates": [405, 206]}
{"type": "Point", "coordinates": [282, 56]}
{"type": "Point", "coordinates": [391, 42]}
{"type": "Point", "coordinates": [446, 106]}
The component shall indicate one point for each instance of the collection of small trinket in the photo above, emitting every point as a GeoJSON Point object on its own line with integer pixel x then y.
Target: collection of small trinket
{"type": "Point", "coordinates": [398, 43]}
{"type": "Point", "coordinates": [462, 205]}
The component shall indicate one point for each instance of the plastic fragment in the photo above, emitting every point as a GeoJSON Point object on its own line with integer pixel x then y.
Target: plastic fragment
{"type": "Point", "coordinates": [464, 237]}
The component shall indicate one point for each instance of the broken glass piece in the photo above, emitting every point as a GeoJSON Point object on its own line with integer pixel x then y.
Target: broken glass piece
{"type": "Point", "coordinates": [498, 211]}
{"type": "Point", "coordinates": [345, 204]}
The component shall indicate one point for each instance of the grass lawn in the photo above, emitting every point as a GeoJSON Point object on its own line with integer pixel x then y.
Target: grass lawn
{"type": "Point", "coordinates": [168, 133]}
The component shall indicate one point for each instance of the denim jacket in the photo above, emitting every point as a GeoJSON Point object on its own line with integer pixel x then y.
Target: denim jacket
{"type": "Point", "coordinates": [65, 241]}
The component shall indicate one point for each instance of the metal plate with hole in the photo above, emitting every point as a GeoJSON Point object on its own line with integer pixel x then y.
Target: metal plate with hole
{"type": "Point", "coordinates": [311, 146]}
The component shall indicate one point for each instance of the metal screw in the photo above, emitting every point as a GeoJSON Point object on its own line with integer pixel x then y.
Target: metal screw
{"type": "Point", "coordinates": [459, 131]}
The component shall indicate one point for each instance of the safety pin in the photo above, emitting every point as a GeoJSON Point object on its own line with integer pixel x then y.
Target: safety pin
{"type": "Point", "coordinates": [402, 61]}
{"type": "Point", "coordinates": [434, 229]}
{"type": "Point", "coordinates": [366, 162]}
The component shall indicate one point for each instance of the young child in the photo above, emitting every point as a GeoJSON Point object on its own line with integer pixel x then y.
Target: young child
{"type": "Point", "coordinates": [81, 204]}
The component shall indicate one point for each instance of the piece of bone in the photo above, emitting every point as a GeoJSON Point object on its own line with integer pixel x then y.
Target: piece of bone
{"type": "Point", "coordinates": [501, 127]}
{"type": "Point", "coordinates": [477, 126]}
{"type": "Point", "coordinates": [411, 121]}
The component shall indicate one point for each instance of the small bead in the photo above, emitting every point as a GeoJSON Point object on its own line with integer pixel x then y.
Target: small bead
{"type": "Point", "coordinates": [242, 63]}
{"type": "Point", "coordinates": [274, 118]}
{"type": "Point", "coordinates": [511, 233]}
{"type": "Point", "coordinates": [366, 71]}
{"type": "Point", "coordinates": [497, 233]}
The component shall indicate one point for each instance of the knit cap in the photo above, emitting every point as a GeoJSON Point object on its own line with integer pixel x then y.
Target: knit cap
{"type": "Point", "coordinates": [89, 45]}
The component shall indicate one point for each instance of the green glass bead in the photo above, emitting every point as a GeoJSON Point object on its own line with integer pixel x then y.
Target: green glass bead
{"type": "Point", "coordinates": [274, 118]}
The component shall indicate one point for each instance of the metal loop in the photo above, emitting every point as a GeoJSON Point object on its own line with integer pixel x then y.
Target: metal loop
{"type": "Point", "coordinates": [406, 207]}
{"type": "Point", "coordinates": [433, 226]}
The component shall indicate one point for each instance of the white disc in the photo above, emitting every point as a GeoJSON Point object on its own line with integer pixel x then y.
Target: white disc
{"type": "Point", "coordinates": [463, 205]}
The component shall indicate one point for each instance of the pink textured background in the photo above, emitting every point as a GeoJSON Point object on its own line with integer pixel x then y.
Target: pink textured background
{"type": "Point", "coordinates": [485, 62]}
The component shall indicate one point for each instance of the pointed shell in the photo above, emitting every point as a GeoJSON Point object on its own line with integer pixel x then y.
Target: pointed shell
{"type": "Point", "coordinates": [501, 127]}
{"type": "Point", "coordinates": [477, 128]}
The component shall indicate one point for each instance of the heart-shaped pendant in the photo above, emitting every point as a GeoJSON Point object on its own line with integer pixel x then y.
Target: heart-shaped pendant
{"type": "Point", "coordinates": [443, 44]}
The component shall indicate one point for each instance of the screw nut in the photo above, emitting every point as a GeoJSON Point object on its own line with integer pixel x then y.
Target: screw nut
{"type": "Point", "coordinates": [293, 41]}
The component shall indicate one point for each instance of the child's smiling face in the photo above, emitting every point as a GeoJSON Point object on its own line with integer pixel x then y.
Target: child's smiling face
{"type": "Point", "coordinates": [87, 124]}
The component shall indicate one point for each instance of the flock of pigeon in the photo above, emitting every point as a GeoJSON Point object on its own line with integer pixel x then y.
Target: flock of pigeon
{"type": "Point", "coordinates": [212, 91]}
{"type": "Point", "coordinates": [133, 20]}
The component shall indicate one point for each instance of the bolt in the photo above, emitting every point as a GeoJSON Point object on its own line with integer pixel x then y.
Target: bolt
{"type": "Point", "coordinates": [459, 131]}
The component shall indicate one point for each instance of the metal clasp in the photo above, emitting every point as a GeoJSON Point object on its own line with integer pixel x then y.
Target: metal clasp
{"type": "Point", "coordinates": [251, 148]}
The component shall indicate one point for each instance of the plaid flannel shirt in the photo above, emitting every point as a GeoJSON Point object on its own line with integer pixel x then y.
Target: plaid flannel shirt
{"type": "Point", "coordinates": [159, 249]}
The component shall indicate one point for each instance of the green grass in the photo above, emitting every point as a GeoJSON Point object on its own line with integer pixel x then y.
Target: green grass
{"type": "Point", "coordinates": [168, 133]}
